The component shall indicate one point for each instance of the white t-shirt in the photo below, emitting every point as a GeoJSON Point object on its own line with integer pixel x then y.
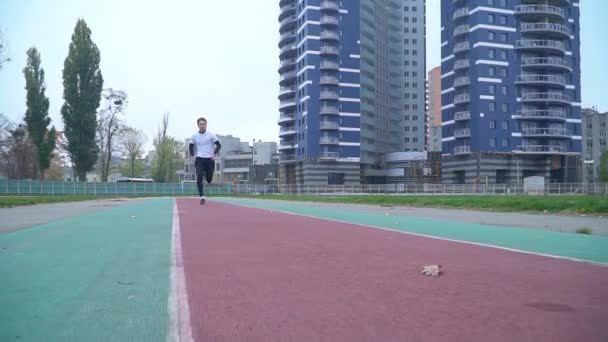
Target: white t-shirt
{"type": "Point", "coordinates": [204, 144]}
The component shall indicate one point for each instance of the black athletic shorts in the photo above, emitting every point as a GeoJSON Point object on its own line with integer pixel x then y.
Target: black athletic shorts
{"type": "Point", "coordinates": [204, 166]}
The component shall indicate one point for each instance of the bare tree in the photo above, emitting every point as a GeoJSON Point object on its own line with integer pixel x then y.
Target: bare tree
{"type": "Point", "coordinates": [132, 143]}
{"type": "Point", "coordinates": [17, 152]}
{"type": "Point", "coordinates": [3, 47]}
{"type": "Point", "coordinates": [109, 124]}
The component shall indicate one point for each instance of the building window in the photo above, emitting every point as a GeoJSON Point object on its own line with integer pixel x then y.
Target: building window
{"type": "Point", "coordinates": [505, 124]}
{"type": "Point", "coordinates": [492, 89]}
{"type": "Point", "coordinates": [415, 117]}
{"type": "Point", "coordinates": [503, 19]}
{"type": "Point", "coordinates": [492, 123]}
{"type": "Point", "coordinates": [491, 18]}
{"type": "Point", "coordinates": [503, 54]}
{"type": "Point", "coordinates": [491, 35]}
{"type": "Point", "coordinates": [505, 142]}
{"type": "Point", "coordinates": [407, 118]}
{"type": "Point", "coordinates": [492, 106]}
{"type": "Point", "coordinates": [407, 128]}
{"type": "Point", "coordinates": [415, 139]}
{"type": "Point", "coordinates": [503, 37]}
{"type": "Point", "coordinates": [415, 129]}
{"type": "Point", "coordinates": [503, 89]}
{"type": "Point", "coordinates": [504, 108]}
{"type": "Point", "coordinates": [492, 71]}
{"type": "Point", "coordinates": [492, 142]}
{"type": "Point", "coordinates": [407, 140]}
{"type": "Point", "coordinates": [504, 72]}
{"type": "Point", "coordinates": [492, 53]}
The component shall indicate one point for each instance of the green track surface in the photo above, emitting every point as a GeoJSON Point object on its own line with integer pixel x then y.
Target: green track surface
{"type": "Point", "coordinates": [583, 247]}
{"type": "Point", "coordinates": [103, 276]}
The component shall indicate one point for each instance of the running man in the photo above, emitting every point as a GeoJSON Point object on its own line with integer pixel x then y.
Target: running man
{"type": "Point", "coordinates": [205, 146]}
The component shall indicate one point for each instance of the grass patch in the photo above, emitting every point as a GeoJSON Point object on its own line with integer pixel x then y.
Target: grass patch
{"type": "Point", "coordinates": [13, 201]}
{"type": "Point", "coordinates": [580, 204]}
{"type": "Point", "coordinates": [584, 231]}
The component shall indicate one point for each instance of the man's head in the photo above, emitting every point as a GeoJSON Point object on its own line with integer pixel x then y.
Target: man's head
{"type": "Point", "coordinates": [202, 124]}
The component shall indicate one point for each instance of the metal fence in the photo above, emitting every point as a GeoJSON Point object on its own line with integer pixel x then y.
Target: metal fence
{"type": "Point", "coordinates": [25, 187]}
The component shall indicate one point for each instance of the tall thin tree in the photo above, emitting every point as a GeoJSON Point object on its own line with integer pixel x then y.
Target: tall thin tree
{"type": "Point", "coordinates": [82, 86]}
{"type": "Point", "coordinates": [37, 113]}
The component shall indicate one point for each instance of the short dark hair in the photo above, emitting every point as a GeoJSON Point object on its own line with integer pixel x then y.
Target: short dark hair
{"type": "Point", "coordinates": [201, 119]}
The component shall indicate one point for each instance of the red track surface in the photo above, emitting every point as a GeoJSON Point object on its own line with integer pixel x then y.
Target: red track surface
{"type": "Point", "coordinates": [253, 275]}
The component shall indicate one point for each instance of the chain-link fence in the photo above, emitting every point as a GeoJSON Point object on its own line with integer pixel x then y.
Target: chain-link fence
{"type": "Point", "coordinates": [25, 187]}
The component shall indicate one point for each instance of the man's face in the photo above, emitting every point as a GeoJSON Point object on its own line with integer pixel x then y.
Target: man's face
{"type": "Point", "coordinates": [202, 126]}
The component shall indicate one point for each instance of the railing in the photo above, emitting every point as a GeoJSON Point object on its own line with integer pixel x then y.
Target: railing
{"type": "Point", "coordinates": [545, 131]}
{"type": "Point", "coordinates": [328, 20]}
{"type": "Point", "coordinates": [462, 149]}
{"type": "Point", "coordinates": [461, 64]}
{"type": "Point", "coordinates": [461, 12]}
{"type": "Point", "coordinates": [462, 81]}
{"type": "Point", "coordinates": [539, 44]}
{"type": "Point", "coordinates": [329, 125]}
{"type": "Point", "coordinates": [540, 9]}
{"type": "Point", "coordinates": [462, 47]}
{"type": "Point", "coordinates": [547, 61]}
{"type": "Point", "coordinates": [329, 155]}
{"type": "Point", "coordinates": [541, 79]}
{"type": "Point", "coordinates": [542, 148]}
{"type": "Point", "coordinates": [329, 141]}
{"type": "Point", "coordinates": [542, 114]}
{"type": "Point", "coordinates": [47, 188]}
{"type": "Point", "coordinates": [462, 133]}
{"type": "Point", "coordinates": [460, 29]}
{"type": "Point", "coordinates": [329, 50]}
{"type": "Point", "coordinates": [462, 98]}
{"type": "Point", "coordinates": [330, 110]}
{"type": "Point", "coordinates": [545, 97]}
{"type": "Point", "coordinates": [464, 115]}
{"type": "Point", "coordinates": [536, 27]}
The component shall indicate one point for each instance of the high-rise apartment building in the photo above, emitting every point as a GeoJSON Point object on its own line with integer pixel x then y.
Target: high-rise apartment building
{"type": "Point", "coordinates": [511, 92]}
{"type": "Point", "coordinates": [351, 87]}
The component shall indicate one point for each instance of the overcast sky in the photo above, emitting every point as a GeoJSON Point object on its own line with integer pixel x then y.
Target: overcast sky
{"type": "Point", "coordinates": [200, 57]}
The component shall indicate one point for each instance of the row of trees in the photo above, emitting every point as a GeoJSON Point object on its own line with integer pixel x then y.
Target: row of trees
{"type": "Point", "coordinates": [93, 134]}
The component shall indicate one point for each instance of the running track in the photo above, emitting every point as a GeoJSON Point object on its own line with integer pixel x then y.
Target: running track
{"type": "Point", "coordinates": [163, 270]}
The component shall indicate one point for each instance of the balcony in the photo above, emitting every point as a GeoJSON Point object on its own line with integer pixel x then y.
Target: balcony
{"type": "Point", "coordinates": [538, 12]}
{"type": "Point", "coordinates": [287, 23]}
{"type": "Point", "coordinates": [288, 76]}
{"type": "Point", "coordinates": [461, 64]}
{"type": "Point", "coordinates": [460, 13]}
{"type": "Point", "coordinates": [287, 146]}
{"type": "Point", "coordinates": [329, 110]}
{"type": "Point", "coordinates": [462, 81]}
{"type": "Point", "coordinates": [331, 80]}
{"type": "Point", "coordinates": [329, 125]}
{"type": "Point", "coordinates": [462, 133]}
{"type": "Point", "coordinates": [329, 35]}
{"type": "Point", "coordinates": [462, 150]}
{"type": "Point", "coordinates": [545, 132]}
{"type": "Point", "coordinates": [286, 11]}
{"type": "Point", "coordinates": [329, 141]}
{"type": "Point", "coordinates": [460, 29]}
{"type": "Point", "coordinates": [287, 64]}
{"type": "Point", "coordinates": [328, 155]}
{"type": "Point", "coordinates": [462, 116]}
{"type": "Point", "coordinates": [548, 30]}
{"type": "Point", "coordinates": [329, 50]}
{"type": "Point", "coordinates": [540, 45]}
{"type": "Point", "coordinates": [545, 80]}
{"type": "Point", "coordinates": [288, 50]}
{"type": "Point", "coordinates": [329, 95]}
{"type": "Point", "coordinates": [553, 115]}
{"type": "Point", "coordinates": [547, 63]}
{"type": "Point", "coordinates": [540, 149]}
{"type": "Point", "coordinates": [462, 98]}
{"type": "Point", "coordinates": [286, 118]}
{"type": "Point", "coordinates": [330, 20]}
{"type": "Point", "coordinates": [286, 38]}
{"type": "Point", "coordinates": [286, 104]}
{"type": "Point", "coordinates": [284, 131]}
{"type": "Point", "coordinates": [284, 91]}
{"type": "Point", "coordinates": [462, 47]}
{"type": "Point", "coordinates": [326, 65]}
{"type": "Point", "coordinates": [286, 158]}
{"type": "Point", "coordinates": [329, 6]}
{"type": "Point", "coordinates": [555, 98]}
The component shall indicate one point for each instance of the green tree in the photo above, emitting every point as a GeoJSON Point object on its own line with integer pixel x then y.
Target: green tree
{"type": "Point", "coordinates": [169, 155]}
{"type": "Point", "coordinates": [82, 86]}
{"type": "Point", "coordinates": [604, 167]}
{"type": "Point", "coordinates": [37, 113]}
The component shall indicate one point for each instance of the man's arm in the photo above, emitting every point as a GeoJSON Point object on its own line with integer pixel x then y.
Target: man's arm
{"type": "Point", "coordinates": [218, 146]}
{"type": "Point", "coordinates": [191, 149]}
